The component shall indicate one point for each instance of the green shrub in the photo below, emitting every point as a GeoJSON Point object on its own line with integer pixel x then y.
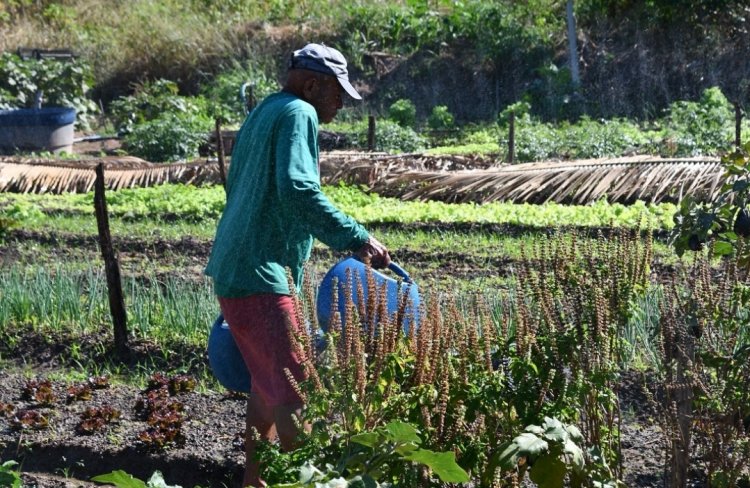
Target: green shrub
{"type": "Point", "coordinates": [160, 125]}
{"type": "Point", "coordinates": [723, 222]}
{"type": "Point", "coordinates": [440, 118]}
{"type": "Point", "coordinates": [600, 138]}
{"type": "Point", "coordinates": [520, 109]}
{"type": "Point", "coordinates": [696, 128]}
{"type": "Point", "coordinates": [403, 112]}
{"type": "Point", "coordinates": [470, 149]}
{"type": "Point", "coordinates": [152, 101]}
{"type": "Point", "coordinates": [534, 141]}
{"type": "Point", "coordinates": [6, 224]}
{"type": "Point", "coordinates": [9, 475]}
{"type": "Point", "coordinates": [389, 137]}
{"type": "Point", "coordinates": [223, 92]}
{"type": "Point", "coordinates": [480, 135]}
{"type": "Point", "coordinates": [171, 137]}
{"type": "Point", "coordinates": [62, 83]}
{"type": "Point", "coordinates": [537, 141]}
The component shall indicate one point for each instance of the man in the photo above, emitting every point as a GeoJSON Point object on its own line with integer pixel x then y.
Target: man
{"type": "Point", "coordinates": [274, 209]}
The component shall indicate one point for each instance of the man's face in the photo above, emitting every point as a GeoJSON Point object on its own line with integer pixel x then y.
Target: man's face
{"type": "Point", "coordinates": [326, 97]}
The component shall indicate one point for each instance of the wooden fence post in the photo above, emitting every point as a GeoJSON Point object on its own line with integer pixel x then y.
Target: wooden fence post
{"type": "Point", "coordinates": [512, 138]}
{"type": "Point", "coordinates": [220, 152]}
{"type": "Point", "coordinates": [371, 133]}
{"type": "Point", "coordinates": [111, 266]}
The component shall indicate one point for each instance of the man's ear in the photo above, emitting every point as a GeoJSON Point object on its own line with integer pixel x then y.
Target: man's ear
{"type": "Point", "coordinates": [310, 87]}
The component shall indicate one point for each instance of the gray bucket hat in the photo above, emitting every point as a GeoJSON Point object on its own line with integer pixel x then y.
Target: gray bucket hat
{"type": "Point", "coordinates": [324, 59]}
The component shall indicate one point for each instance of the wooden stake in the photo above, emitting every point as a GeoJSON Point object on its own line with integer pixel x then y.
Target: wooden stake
{"type": "Point", "coordinates": [220, 151]}
{"type": "Point", "coordinates": [512, 138]}
{"type": "Point", "coordinates": [111, 266]}
{"type": "Point", "coordinates": [371, 133]}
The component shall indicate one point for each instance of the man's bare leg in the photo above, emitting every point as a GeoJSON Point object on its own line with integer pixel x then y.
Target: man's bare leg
{"type": "Point", "coordinates": [287, 419]}
{"type": "Point", "coordinates": [260, 417]}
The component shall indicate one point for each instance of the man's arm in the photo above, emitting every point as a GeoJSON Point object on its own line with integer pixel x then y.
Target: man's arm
{"type": "Point", "coordinates": [298, 184]}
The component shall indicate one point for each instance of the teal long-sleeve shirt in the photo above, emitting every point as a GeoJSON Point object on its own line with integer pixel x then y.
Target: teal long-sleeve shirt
{"type": "Point", "coordinates": [275, 206]}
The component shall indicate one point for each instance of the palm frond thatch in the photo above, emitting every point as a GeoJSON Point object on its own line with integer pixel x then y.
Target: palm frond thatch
{"type": "Point", "coordinates": [412, 176]}
{"type": "Point", "coordinates": [626, 179]}
{"type": "Point", "coordinates": [26, 175]}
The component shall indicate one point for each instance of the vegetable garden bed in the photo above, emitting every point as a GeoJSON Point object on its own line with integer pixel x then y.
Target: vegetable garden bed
{"type": "Point", "coordinates": [55, 326]}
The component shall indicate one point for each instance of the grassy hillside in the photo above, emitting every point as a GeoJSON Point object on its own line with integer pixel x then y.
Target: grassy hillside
{"type": "Point", "coordinates": [475, 57]}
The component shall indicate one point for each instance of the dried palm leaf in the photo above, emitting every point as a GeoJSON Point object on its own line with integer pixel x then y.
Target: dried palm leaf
{"type": "Point", "coordinates": [411, 176]}
{"type": "Point", "coordinates": [645, 178]}
{"type": "Point", "coordinates": [26, 175]}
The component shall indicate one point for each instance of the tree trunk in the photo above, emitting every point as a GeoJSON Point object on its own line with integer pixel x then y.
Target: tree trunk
{"type": "Point", "coordinates": [575, 76]}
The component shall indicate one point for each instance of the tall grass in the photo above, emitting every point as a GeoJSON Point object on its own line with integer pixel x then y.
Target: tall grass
{"type": "Point", "coordinates": [149, 39]}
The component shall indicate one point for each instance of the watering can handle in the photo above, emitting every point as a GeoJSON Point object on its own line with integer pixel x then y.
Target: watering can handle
{"type": "Point", "coordinates": [400, 271]}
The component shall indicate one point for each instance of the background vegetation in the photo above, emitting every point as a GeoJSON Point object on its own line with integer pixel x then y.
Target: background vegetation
{"type": "Point", "coordinates": [473, 57]}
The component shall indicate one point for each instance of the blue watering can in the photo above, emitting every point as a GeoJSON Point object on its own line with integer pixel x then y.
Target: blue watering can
{"type": "Point", "coordinates": [226, 360]}
{"type": "Point", "coordinates": [358, 272]}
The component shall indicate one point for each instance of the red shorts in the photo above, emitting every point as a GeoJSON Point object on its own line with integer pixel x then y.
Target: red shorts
{"type": "Point", "coordinates": [259, 325]}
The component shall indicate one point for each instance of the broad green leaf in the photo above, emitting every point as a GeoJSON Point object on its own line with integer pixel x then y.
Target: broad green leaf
{"type": "Point", "coordinates": [533, 367]}
{"type": "Point", "coordinates": [575, 433]}
{"type": "Point", "coordinates": [358, 422]}
{"type": "Point", "coordinates": [405, 449]}
{"type": "Point", "coordinates": [534, 429]}
{"type": "Point", "coordinates": [722, 248]}
{"type": "Point", "coordinates": [576, 455]}
{"type": "Point", "coordinates": [506, 457]}
{"type": "Point", "coordinates": [402, 432]}
{"type": "Point", "coordinates": [369, 439]}
{"type": "Point", "coordinates": [9, 478]}
{"type": "Point", "coordinates": [548, 472]}
{"type": "Point", "coordinates": [443, 464]}
{"type": "Point", "coordinates": [334, 483]}
{"type": "Point", "coordinates": [365, 481]}
{"type": "Point", "coordinates": [370, 482]}
{"type": "Point", "coordinates": [157, 481]}
{"type": "Point", "coordinates": [554, 430]}
{"type": "Point", "coordinates": [307, 472]}
{"type": "Point", "coordinates": [531, 445]}
{"type": "Point", "coordinates": [120, 479]}
{"type": "Point", "coordinates": [604, 484]}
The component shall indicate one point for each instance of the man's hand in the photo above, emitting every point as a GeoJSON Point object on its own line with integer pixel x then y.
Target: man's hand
{"type": "Point", "coordinates": [373, 253]}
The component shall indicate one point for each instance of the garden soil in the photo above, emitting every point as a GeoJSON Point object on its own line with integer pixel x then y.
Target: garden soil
{"type": "Point", "coordinates": [211, 455]}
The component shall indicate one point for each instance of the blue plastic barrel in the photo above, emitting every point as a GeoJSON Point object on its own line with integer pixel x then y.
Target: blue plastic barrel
{"type": "Point", "coordinates": [37, 129]}
{"type": "Point", "coordinates": [358, 271]}
{"type": "Point", "coordinates": [225, 358]}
